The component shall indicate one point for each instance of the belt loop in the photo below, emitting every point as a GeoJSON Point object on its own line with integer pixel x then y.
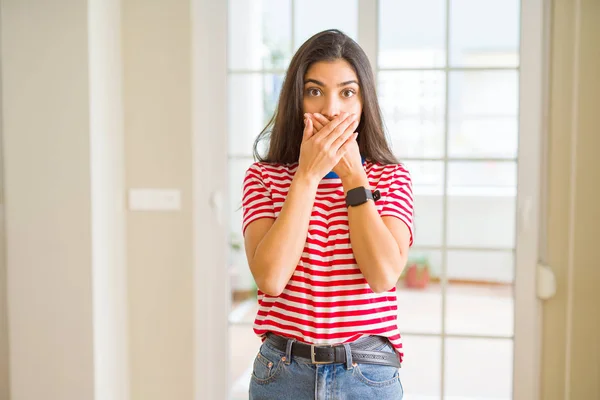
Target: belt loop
{"type": "Point", "coordinates": [288, 351]}
{"type": "Point", "coordinates": [349, 365]}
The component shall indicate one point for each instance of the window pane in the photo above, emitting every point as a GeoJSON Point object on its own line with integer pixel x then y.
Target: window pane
{"type": "Point", "coordinates": [479, 296]}
{"type": "Point", "coordinates": [259, 34]}
{"type": "Point", "coordinates": [236, 173]}
{"type": "Point", "coordinates": [478, 369]}
{"type": "Point", "coordinates": [420, 372]}
{"type": "Point", "coordinates": [412, 103]}
{"type": "Point", "coordinates": [481, 204]}
{"type": "Point", "coordinates": [484, 33]}
{"type": "Point", "coordinates": [427, 177]}
{"type": "Point", "coordinates": [482, 177]}
{"type": "Point", "coordinates": [479, 310]}
{"type": "Point", "coordinates": [493, 267]}
{"type": "Point", "coordinates": [481, 137]}
{"type": "Point", "coordinates": [252, 101]}
{"type": "Point", "coordinates": [412, 33]}
{"type": "Point", "coordinates": [313, 16]}
{"type": "Point", "coordinates": [420, 294]}
{"type": "Point", "coordinates": [240, 277]}
{"type": "Point", "coordinates": [483, 114]}
{"type": "Point", "coordinates": [417, 138]}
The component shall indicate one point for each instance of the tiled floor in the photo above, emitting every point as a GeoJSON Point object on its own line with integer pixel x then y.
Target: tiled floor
{"type": "Point", "coordinates": [475, 368]}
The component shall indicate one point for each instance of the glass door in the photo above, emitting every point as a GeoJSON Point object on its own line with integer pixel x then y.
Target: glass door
{"type": "Point", "coordinates": [448, 75]}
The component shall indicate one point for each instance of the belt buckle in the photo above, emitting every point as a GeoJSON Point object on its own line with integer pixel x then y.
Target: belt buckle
{"type": "Point", "coordinates": [312, 356]}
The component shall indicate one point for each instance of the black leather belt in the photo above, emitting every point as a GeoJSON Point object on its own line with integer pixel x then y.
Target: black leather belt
{"type": "Point", "coordinates": [362, 351]}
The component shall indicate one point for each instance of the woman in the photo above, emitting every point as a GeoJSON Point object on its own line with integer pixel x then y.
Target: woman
{"type": "Point", "coordinates": [327, 227]}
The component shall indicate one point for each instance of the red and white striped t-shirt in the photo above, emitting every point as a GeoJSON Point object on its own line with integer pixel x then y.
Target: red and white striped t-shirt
{"type": "Point", "coordinates": [327, 300]}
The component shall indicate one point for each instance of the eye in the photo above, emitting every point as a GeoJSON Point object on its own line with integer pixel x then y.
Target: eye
{"type": "Point", "coordinates": [348, 93]}
{"type": "Point", "coordinates": [313, 92]}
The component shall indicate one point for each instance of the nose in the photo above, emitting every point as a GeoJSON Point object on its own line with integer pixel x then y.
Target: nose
{"type": "Point", "coordinates": [331, 107]}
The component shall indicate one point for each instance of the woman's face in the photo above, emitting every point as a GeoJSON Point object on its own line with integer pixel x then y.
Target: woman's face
{"type": "Point", "coordinates": [330, 88]}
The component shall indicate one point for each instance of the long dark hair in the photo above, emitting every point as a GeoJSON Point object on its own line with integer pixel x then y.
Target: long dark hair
{"type": "Point", "coordinates": [287, 124]}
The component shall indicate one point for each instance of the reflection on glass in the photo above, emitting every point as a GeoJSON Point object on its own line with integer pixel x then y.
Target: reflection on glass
{"type": "Point", "coordinates": [259, 34]}
{"type": "Point", "coordinates": [412, 103]}
{"type": "Point", "coordinates": [252, 101]}
{"type": "Point", "coordinates": [481, 204]}
{"type": "Point", "coordinates": [484, 33]}
{"type": "Point", "coordinates": [479, 297]}
{"type": "Point", "coordinates": [478, 369]}
{"type": "Point", "coordinates": [412, 34]}
{"type": "Point", "coordinates": [313, 16]}
{"type": "Point", "coordinates": [419, 293]}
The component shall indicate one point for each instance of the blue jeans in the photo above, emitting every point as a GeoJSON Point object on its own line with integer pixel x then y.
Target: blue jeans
{"type": "Point", "coordinates": [277, 377]}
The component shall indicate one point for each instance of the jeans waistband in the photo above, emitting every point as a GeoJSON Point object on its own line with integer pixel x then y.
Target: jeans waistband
{"type": "Point", "coordinates": [361, 351]}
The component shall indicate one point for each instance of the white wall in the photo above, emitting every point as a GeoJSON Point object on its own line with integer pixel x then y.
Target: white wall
{"type": "Point", "coordinates": [64, 199]}
{"type": "Point", "coordinates": [85, 320]}
{"type": "Point", "coordinates": [4, 360]}
{"type": "Point", "coordinates": [48, 201]}
{"type": "Point", "coordinates": [570, 357]}
{"type": "Point", "coordinates": [158, 145]}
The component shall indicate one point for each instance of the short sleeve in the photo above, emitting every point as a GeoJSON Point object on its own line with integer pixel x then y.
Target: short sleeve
{"type": "Point", "coordinates": [256, 198]}
{"type": "Point", "coordinates": [399, 199]}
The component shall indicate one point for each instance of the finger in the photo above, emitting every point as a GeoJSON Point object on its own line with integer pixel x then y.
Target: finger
{"type": "Point", "coordinates": [347, 144]}
{"type": "Point", "coordinates": [308, 128]}
{"type": "Point", "coordinates": [339, 130]}
{"type": "Point", "coordinates": [350, 130]}
{"type": "Point", "coordinates": [323, 120]}
{"type": "Point", "coordinates": [316, 123]}
{"type": "Point", "coordinates": [333, 124]}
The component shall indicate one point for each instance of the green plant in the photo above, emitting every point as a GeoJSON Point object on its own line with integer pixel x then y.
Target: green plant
{"type": "Point", "coordinates": [235, 242]}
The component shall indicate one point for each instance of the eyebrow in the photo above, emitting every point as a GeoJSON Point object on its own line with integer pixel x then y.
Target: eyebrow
{"type": "Point", "coordinates": [324, 85]}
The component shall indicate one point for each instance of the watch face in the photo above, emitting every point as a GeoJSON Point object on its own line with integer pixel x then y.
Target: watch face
{"type": "Point", "coordinates": [357, 196]}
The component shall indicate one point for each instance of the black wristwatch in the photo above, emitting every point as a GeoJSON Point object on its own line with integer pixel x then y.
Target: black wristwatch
{"type": "Point", "coordinates": [360, 195]}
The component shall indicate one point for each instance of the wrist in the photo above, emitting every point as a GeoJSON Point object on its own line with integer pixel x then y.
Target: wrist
{"type": "Point", "coordinates": [306, 181]}
{"type": "Point", "coordinates": [355, 180]}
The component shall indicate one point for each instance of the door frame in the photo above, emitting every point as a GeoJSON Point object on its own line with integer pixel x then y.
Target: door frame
{"type": "Point", "coordinates": [533, 84]}
{"type": "Point", "coordinates": [210, 220]}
